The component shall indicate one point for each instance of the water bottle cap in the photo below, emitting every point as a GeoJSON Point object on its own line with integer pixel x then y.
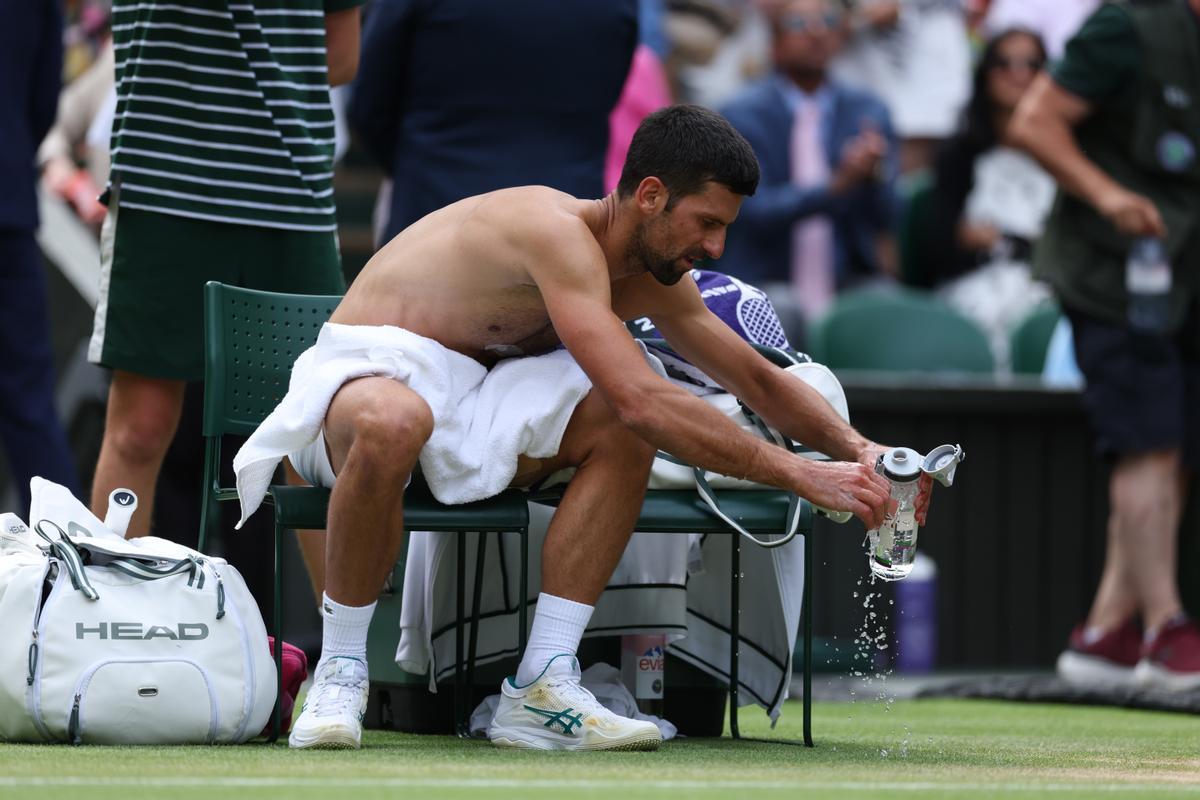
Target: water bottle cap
{"type": "Point", "coordinates": [901, 464]}
{"type": "Point", "coordinates": [942, 461]}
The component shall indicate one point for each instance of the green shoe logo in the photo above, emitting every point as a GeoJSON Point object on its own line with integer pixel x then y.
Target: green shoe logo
{"type": "Point", "coordinates": [568, 721]}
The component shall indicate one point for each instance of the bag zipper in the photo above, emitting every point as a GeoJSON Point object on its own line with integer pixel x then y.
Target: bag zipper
{"type": "Point", "coordinates": [247, 659]}
{"type": "Point", "coordinates": [37, 657]}
{"type": "Point", "coordinates": [75, 723]}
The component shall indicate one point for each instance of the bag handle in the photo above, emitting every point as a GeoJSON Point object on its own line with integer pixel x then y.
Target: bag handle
{"type": "Point", "coordinates": [64, 549]}
{"type": "Point", "coordinates": [68, 552]}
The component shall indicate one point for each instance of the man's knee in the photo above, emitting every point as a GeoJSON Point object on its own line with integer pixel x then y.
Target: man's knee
{"type": "Point", "coordinates": [610, 436]}
{"type": "Point", "coordinates": [142, 416]}
{"type": "Point", "coordinates": [391, 433]}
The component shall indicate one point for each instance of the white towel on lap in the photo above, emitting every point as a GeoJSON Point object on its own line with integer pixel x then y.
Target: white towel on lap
{"type": "Point", "coordinates": [482, 419]}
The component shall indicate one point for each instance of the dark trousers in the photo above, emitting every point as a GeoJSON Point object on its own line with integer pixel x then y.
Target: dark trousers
{"type": "Point", "coordinates": [30, 432]}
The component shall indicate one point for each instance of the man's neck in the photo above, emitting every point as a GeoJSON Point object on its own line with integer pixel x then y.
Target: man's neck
{"type": "Point", "coordinates": [808, 82]}
{"type": "Point", "coordinates": [613, 230]}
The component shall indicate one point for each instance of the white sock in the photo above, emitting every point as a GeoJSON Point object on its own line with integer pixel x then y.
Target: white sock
{"type": "Point", "coordinates": [344, 632]}
{"type": "Point", "coordinates": [558, 625]}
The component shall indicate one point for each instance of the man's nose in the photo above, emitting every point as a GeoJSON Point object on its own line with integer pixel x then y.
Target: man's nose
{"type": "Point", "coordinates": [714, 246]}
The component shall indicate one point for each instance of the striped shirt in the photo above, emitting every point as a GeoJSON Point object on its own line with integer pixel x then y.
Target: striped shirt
{"type": "Point", "coordinates": [223, 110]}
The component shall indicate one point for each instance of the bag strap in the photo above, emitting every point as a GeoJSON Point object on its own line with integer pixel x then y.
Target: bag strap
{"type": "Point", "coordinates": [63, 549]}
{"type": "Point", "coordinates": [710, 499]}
{"type": "Point", "coordinates": [71, 554]}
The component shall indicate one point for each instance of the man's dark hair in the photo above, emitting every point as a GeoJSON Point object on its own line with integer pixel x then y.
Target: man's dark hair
{"type": "Point", "coordinates": [685, 147]}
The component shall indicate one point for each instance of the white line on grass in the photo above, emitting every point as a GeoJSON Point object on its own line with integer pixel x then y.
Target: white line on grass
{"type": "Point", "coordinates": [508, 783]}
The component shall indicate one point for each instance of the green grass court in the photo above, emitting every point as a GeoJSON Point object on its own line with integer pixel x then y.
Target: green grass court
{"type": "Point", "coordinates": [935, 748]}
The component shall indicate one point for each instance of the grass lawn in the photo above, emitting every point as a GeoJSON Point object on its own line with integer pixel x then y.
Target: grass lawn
{"type": "Point", "coordinates": [915, 748]}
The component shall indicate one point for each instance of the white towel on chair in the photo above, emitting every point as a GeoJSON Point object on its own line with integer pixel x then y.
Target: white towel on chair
{"type": "Point", "coordinates": [482, 419]}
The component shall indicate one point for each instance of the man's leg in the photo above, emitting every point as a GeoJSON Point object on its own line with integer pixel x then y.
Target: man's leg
{"type": "Point", "coordinates": [375, 429]}
{"type": "Point", "coordinates": [585, 541]}
{"type": "Point", "coordinates": [1146, 508]}
{"type": "Point", "coordinates": [140, 422]}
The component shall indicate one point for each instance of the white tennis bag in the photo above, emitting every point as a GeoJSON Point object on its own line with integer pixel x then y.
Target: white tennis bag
{"type": "Point", "coordinates": [109, 641]}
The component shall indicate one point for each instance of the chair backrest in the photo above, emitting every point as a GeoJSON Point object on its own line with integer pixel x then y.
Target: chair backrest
{"type": "Point", "coordinates": [251, 340]}
{"type": "Point", "coordinates": [898, 330]}
{"type": "Point", "coordinates": [917, 192]}
{"type": "Point", "coordinates": [1030, 338]}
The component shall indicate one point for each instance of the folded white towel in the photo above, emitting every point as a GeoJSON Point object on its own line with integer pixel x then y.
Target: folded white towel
{"type": "Point", "coordinates": [482, 419]}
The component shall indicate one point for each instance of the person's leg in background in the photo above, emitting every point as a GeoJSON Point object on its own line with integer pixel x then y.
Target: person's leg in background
{"type": "Point", "coordinates": [1136, 393]}
{"type": "Point", "coordinates": [31, 433]}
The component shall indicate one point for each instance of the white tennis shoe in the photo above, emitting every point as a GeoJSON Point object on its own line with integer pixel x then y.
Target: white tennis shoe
{"type": "Point", "coordinates": [556, 713]}
{"type": "Point", "coordinates": [331, 718]}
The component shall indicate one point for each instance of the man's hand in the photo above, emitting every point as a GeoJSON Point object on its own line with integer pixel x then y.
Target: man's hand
{"type": "Point", "coordinates": [881, 15]}
{"type": "Point", "coordinates": [870, 454]}
{"type": "Point", "coordinates": [861, 160]}
{"type": "Point", "coordinates": [847, 486]}
{"type": "Point", "coordinates": [1130, 213]}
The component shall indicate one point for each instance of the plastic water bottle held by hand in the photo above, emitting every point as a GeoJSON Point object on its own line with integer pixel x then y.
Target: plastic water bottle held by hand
{"type": "Point", "coordinates": [894, 543]}
{"type": "Point", "coordinates": [1148, 286]}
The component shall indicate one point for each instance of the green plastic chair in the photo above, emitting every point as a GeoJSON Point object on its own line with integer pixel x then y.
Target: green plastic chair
{"type": "Point", "coordinates": [251, 340]}
{"type": "Point", "coordinates": [917, 192]}
{"type": "Point", "coordinates": [898, 329]}
{"type": "Point", "coordinates": [1030, 338]}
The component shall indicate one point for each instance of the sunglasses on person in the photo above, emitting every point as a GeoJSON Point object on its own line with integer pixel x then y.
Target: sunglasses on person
{"type": "Point", "coordinates": [1009, 64]}
{"type": "Point", "coordinates": [801, 23]}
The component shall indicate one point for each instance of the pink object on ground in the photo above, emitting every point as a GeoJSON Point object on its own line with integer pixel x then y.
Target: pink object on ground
{"type": "Point", "coordinates": [646, 90]}
{"type": "Point", "coordinates": [295, 670]}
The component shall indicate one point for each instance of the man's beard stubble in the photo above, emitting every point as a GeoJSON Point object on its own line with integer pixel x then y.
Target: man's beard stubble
{"type": "Point", "coordinates": [662, 267]}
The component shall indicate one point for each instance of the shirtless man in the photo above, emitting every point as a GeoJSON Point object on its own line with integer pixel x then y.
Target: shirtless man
{"type": "Point", "coordinates": [518, 271]}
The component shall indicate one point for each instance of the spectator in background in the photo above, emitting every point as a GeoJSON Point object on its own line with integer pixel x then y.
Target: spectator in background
{"type": "Point", "coordinates": [1055, 21]}
{"type": "Point", "coordinates": [822, 217]}
{"type": "Point", "coordinates": [81, 133]}
{"type": "Point", "coordinates": [462, 97]}
{"type": "Point", "coordinates": [30, 68]}
{"type": "Point", "coordinates": [222, 152]}
{"type": "Point", "coordinates": [989, 200]}
{"type": "Point", "coordinates": [915, 54]}
{"type": "Point", "coordinates": [646, 90]}
{"type": "Point", "coordinates": [31, 59]}
{"type": "Point", "coordinates": [1118, 124]}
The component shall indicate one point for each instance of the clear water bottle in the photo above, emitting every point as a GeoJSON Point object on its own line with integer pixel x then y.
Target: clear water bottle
{"type": "Point", "coordinates": [894, 543]}
{"type": "Point", "coordinates": [1148, 285]}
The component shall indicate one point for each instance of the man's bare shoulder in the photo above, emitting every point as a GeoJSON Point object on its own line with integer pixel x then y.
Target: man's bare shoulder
{"type": "Point", "coordinates": [541, 223]}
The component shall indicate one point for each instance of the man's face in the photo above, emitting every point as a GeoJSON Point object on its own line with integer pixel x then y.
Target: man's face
{"type": "Point", "coordinates": [670, 243]}
{"type": "Point", "coordinates": [808, 35]}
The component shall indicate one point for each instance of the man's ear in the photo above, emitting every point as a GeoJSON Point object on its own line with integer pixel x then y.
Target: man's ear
{"type": "Point", "coordinates": [651, 195]}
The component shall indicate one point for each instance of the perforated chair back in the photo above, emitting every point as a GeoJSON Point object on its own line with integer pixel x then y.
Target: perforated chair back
{"type": "Point", "coordinates": [254, 337]}
{"type": "Point", "coordinates": [898, 330]}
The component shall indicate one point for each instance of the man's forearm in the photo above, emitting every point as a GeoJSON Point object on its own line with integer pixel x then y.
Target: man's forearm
{"type": "Point", "coordinates": [798, 411]}
{"type": "Point", "coordinates": [1050, 139]}
{"type": "Point", "coordinates": [676, 422]}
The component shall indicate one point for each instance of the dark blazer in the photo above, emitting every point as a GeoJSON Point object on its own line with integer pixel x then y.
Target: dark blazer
{"type": "Point", "coordinates": [759, 244]}
{"type": "Point", "coordinates": [31, 63]}
{"type": "Point", "coordinates": [458, 97]}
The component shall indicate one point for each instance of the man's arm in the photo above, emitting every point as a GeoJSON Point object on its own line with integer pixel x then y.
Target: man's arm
{"type": "Point", "coordinates": [786, 404]}
{"type": "Point", "coordinates": [1044, 125]}
{"type": "Point", "coordinates": [341, 44]}
{"type": "Point", "coordinates": [376, 96]}
{"type": "Point", "coordinates": [668, 417]}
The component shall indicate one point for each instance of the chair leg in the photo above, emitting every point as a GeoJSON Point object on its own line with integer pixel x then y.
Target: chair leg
{"type": "Point", "coordinates": [735, 636]}
{"type": "Point", "coordinates": [523, 598]}
{"type": "Point", "coordinates": [477, 593]}
{"type": "Point", "coordinates": [459, 621]}
{"type": "Point", "coordinates": [277, 625]}
{"type": "Point", "coordinates": [806, 621]}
